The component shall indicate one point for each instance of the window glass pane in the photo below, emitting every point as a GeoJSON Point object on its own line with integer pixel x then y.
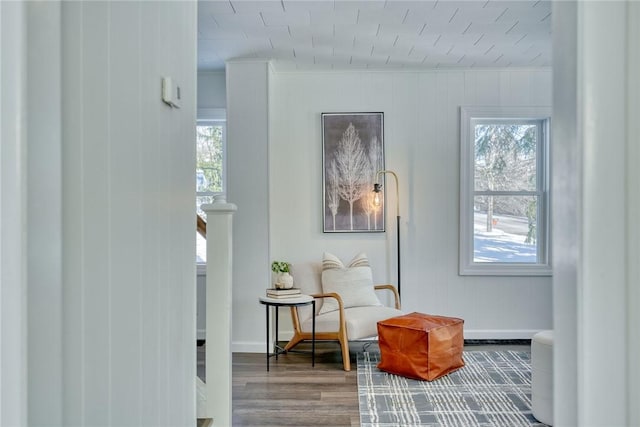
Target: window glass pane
{"type": "Point", "coordinates": [209, 158]}
{"type": "Point", "coordinates": [505, 229]}
{"type": "Point", "coordinates": [505, 157]}
{"type": "Point", "coordinates": [202, 200]}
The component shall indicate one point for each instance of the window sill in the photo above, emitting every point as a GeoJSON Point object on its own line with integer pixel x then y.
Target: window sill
{"type": "Point", "coordinates": [505, 270]}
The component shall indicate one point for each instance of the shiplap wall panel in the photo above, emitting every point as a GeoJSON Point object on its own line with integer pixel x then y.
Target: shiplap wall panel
{"type": "Point", "coordinates": [73, 225]}
{"type": "Point", "coordinates": [96, 220]}
{"type": "Point", "coordinates": [537, 80]}
{"type": "Point", "coordinates": [423, 179]}
{"type": "Point", "coordinates": [186, 180]}
{"type": "Point", "coordinates": [44, 194]}
{"type": "Point", "coordinates": [151, 150]}
{"type": "Point", "coordinates": [165, 323]}
{"type": "Point", "coordinates": [13, 215]}
{"type": "Point", "coordinates": [376, 99]}
{"type": "Point", "coordinates": [131, 287]}
{"type": "Point", "coordinates": [459, 301]}
{"type": "Point", "coordinates": [248, 178]}
{"type": "Point", "coordinates": [422, 145]}
{"type": "Point", "coordinates": [124, 188]}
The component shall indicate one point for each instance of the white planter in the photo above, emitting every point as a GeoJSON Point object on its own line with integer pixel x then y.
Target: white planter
{"type": "Point", "coordinates": [284, 281]}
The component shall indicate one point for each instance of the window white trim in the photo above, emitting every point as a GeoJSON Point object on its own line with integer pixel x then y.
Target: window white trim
{"type": "Point", "coordinates": [467, 266]}
{"type": "Point", "coordinates": [212, 114]}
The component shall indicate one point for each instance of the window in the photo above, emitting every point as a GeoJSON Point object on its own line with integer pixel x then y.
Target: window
{"type": "Point", "coordinates": [504, 206]}
{"type": "Point", "coordinates": [210, 164]}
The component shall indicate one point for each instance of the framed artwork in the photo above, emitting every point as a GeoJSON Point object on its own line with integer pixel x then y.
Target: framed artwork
{"type": "Point", "coordinates": [352, 154]}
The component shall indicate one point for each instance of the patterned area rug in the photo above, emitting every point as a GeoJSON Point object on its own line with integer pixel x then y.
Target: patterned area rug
{"type": "Point", "coordinates": [493, 389]}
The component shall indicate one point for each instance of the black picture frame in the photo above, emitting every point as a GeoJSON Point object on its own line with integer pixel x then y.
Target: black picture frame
{"type": "Point", "coordinates": [352, 154]}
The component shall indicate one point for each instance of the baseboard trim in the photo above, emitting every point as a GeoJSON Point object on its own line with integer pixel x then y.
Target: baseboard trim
{"type": "Point", "coordinates": [471, 337]}
{"type": "Point", "coordinates": [248, 347]}
{"type": "Point", "coordinates": [497, 342]}
{"type": "Point", "coordinates": [499, 334]}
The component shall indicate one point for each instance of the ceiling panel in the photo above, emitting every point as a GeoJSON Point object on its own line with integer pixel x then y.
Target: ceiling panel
{"type": "Point", "coordinates": [332, 17]}
{"type": "Point", "coordinates": [279, 17]}
{"type": "Point", "coordinates": [253, 6]}
{"type": "Point", "coordinates": [237, 21]}
{"type": "Point", "coordinates": [304, 34]}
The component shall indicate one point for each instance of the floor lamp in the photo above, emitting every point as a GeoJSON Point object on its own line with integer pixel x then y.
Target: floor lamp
{"type": "Point", "coordinates": [377, 189]}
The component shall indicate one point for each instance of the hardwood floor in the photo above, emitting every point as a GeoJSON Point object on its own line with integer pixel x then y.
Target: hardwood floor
{"type": "Point", "coordinates": [295, 394]}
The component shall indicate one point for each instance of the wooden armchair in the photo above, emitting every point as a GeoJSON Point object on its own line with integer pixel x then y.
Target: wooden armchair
{"type": "Point", "coordinates": [341, 325]}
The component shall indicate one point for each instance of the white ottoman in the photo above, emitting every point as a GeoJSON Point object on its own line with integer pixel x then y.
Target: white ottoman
{"type": "Point", "coordinates": [542, 377]}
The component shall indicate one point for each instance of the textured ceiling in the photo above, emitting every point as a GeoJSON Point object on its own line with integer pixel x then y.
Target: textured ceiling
{"type": "Point", "coordinates": [375, 34]}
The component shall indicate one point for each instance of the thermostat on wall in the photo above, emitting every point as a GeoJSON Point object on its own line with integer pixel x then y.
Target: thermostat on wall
{"type": "Point", "coordinates": [170, 92]}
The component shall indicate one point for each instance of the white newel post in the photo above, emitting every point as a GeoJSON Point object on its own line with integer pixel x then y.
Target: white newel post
{"type": "Point", "coordinates": [218, 290]}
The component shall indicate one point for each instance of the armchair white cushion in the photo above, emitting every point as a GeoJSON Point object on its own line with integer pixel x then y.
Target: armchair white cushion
{"type": "Point", "coordinates": [354, 282]}
{"type": "Point", "coordinates": [361, 322]}
{"type": "Point", "coordinates": [341, 324]}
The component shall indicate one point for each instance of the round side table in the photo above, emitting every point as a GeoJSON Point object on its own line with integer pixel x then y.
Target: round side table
{"type": "Point", "coordinates": [288, 302]}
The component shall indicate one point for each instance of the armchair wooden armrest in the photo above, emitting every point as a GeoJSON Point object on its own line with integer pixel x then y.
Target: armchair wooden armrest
{"type": "Point", "coordinates": [331, 295]}
{"type": "Point", "coordinates": [394, 290]}
{"type": "Point", "coordinates": [343, 324]}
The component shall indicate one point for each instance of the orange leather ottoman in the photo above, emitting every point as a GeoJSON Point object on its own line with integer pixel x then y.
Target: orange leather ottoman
{"type": "Point", "coordinates": [421, 346]}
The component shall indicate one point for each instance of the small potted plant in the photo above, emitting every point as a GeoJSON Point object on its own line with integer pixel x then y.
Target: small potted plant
{"type": "Point", "coordinates": [283, 278]}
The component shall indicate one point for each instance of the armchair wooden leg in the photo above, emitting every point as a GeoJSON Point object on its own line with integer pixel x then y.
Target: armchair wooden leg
{"type": "Point", "coordinates": [346, 360]}
{"type": "Point", "coordinates": [294, 341]}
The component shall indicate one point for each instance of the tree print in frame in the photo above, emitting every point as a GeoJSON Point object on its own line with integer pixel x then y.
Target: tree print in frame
{"type": "Point", "coordinates": [352, 154]}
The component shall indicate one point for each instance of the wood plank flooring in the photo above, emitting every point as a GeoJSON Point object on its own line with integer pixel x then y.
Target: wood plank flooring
{"type": "Point", "coordinates": [295, 394]}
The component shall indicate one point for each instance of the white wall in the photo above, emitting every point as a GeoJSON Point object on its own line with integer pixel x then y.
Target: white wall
{"type": "Point", "coordinates": [632, 205]}
{"type": "Point", "coordinates": [212, 89]}
{"type": "Point", "coordinates": [248, 188]}
{"type": "Point", "coordinates": [44, 214]}
{"type": "Point", "coordinates": [13, 215]}
{"type": "Point", "coordinates": [596, 174]}
{"type": "Point", "coordinates": [128, 185]}
{"type": "Point", "coordinates": [566, 200]}
{"type": "Point", "coordinates": [422, 147]}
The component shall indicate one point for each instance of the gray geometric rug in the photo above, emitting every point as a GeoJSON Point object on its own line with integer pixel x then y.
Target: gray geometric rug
{"type": "Point", "coordinates": [492, 389]}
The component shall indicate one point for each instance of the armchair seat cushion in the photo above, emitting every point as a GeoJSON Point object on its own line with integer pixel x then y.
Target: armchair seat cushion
{"type": "Point", "coordinates": [361, 322]}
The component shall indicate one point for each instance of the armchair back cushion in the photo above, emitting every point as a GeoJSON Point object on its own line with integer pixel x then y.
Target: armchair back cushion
{"type": "Point", "coordinates": [308, 277]}
{"type": "Point", "coordinates": [354, 283]}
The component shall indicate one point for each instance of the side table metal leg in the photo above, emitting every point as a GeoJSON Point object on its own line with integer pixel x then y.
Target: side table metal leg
{"type": "Point", "coordinates": [275, 342]}
{"type": "Point", "coordinates": [266, 309]}
{"type": "Point", "coordinates": [313, 333]}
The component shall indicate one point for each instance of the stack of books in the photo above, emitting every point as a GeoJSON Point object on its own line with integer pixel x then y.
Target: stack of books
{"type": "Point", "coordinates": [284, 293]}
